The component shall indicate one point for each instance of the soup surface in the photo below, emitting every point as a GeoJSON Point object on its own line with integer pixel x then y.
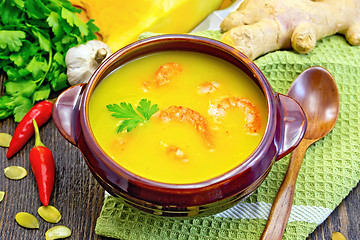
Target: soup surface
{"type": "Point", "coordinates": [210, 116]}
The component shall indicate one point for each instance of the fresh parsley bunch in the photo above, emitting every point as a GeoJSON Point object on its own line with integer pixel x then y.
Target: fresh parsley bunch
{"type": "Point", "coordinates": [34, 38]}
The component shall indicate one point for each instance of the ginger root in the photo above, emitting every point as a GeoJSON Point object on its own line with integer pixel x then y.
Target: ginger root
{"type": "Point", "coordinates": [261, 26]}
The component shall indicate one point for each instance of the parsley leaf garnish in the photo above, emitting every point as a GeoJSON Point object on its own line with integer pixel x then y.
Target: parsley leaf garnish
{"type": "Point", "coordinates": [130, 117]}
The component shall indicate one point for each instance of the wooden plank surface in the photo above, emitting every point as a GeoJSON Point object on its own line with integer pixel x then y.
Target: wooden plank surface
{"type": "Point", "coordinates": [79, 197]}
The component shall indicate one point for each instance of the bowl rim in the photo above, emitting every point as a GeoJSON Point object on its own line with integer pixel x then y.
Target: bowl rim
{"type": "Point", "coordinates": [115, 167]}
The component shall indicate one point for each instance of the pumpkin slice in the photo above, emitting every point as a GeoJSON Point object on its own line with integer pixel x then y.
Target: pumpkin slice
{"type": "Point", "coordinates": [121, 22]}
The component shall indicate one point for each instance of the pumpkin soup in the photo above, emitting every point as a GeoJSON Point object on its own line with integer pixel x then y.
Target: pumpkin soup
{"type": "Point", "coordinates": [178, 117]}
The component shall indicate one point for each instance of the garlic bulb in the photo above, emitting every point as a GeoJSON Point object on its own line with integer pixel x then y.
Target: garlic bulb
{"type": "Point", "coordinates": [82, 60]}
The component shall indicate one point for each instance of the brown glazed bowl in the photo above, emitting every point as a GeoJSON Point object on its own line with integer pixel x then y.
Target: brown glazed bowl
{"type": "Point", "coordinates": [285, 128]}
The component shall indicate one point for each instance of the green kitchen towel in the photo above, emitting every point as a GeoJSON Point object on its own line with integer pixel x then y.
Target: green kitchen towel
{"type": "Point", "coordinates": [331, 167]}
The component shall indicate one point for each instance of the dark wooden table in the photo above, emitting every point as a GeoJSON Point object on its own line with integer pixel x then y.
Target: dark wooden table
{"type": "Point", "coordinates": [79, 197]}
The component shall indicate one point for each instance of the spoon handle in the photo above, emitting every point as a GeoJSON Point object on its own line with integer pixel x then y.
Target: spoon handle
{"type": "Point", "coordinates": [283, 202]}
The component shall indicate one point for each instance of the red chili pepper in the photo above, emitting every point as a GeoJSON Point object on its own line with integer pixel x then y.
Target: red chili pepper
{"type": "Point", "coordinates": [43, 167]}
{"type": "Point", "coordinates": [41, 112]}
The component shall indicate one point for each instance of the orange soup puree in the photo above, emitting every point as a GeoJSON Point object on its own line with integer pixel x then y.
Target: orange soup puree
{"type": "Point", "coordinates": [211, 116]}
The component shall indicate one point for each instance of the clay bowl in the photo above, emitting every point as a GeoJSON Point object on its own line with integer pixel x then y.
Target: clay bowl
{"type": "Point", "coordinates": [285, 128]}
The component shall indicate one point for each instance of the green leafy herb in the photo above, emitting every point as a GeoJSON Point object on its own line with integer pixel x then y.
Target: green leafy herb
{"type": "Point", "coordinates": [130, 117]}
{"type": "Point", "coordinates": [34, 38]}
{"type": "Point", "coordinates": [11, 40]}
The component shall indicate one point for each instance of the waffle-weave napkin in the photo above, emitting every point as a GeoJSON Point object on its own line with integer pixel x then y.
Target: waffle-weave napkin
{"type": "Point", "coordinates": [331, 167]}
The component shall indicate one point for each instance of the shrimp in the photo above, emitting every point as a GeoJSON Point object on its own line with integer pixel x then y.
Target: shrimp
{"type": "Point", "coordinates": [252, 118]}
{"type": "Point", "coordinates": [163, 75]}
{"type": "Point", "coordinates": [182, 114]}
{"type": "Point", "coordinates": [175, 152]}
{"type": "Point", "coordinates": [208, 87]}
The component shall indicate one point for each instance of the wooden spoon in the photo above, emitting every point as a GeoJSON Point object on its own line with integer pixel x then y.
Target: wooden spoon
{"type": "Point", "coordinates": [316, 92]}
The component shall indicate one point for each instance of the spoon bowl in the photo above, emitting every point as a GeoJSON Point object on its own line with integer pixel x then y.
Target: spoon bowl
{"type": "Point", "coordinates": [316, 92]}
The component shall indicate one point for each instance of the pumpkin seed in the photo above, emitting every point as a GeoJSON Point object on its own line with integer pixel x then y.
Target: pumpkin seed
{"type": "Point", "coordinates": [49, 214]}
{"type": "Point", "coordinates": [57, 232]}
{"type": "Point", "coordinates": [26, 220]}
{"type": "Point", "coordinates": [337, 236]}
{"type": "Point", "coordinates": [2, 194]}
{"type": "Point", "coordinates": [15, 172]}
{"type": "Point", "coordinates": [5, 139]}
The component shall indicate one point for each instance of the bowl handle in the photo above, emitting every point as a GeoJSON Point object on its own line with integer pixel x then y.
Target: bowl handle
{"type": "Point", "coordinates": [65, 112]}
{"type": "Point", "coordinates": [293, 124]}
